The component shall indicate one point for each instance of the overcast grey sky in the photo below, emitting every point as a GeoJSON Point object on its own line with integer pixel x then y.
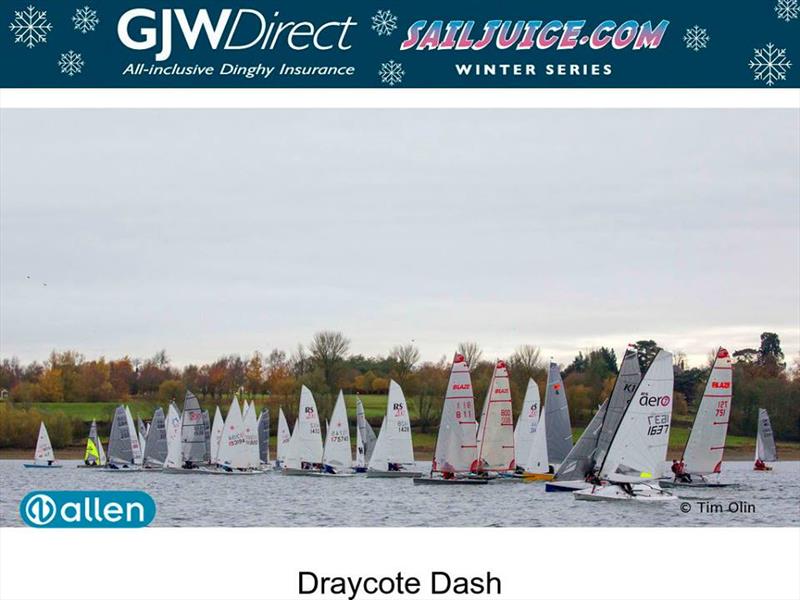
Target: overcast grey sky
{"type": "Point", "coordinates": [212, 232]}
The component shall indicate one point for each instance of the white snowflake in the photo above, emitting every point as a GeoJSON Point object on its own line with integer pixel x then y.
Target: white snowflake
{"type": "Point", "coordinates": [787, 10]}
{"type": "Point", "coordinates": [384, 22]}
{"type": "Point", "coordinates": [696, 38]}
{"type": "Point", "coordinates": [770, 64]}
{"type": "Point", "coordinates": [85, 19]}
{"type": "Point", "coordinates": [30, 26]}
{"type": "Point", "coordinates": [391, 73]}
{"type": "Point", "coordinates": [71, 63]}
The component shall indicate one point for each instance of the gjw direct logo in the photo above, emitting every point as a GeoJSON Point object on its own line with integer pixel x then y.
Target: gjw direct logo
{"type": "Point", "coordinates": [90, 509]}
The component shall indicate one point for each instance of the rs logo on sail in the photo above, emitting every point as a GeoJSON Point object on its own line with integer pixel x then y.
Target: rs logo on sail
{"type": "Point", "coordinates": [90, 509]}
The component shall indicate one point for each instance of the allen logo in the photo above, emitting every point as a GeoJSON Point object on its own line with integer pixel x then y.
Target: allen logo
{"type": "Point", "coordinates": [90, 509]}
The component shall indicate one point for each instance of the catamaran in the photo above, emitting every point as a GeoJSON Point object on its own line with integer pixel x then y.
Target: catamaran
{"type": "Point", "coordinates": [701, 462]}
{"type": "Point", "coordinates": [556, 415]}
{"type": "Point", "coordinates": [593, 444]}
{"type": "Point", "coordinates": [304, 451]}
{"type": "Point", "coordinates": [43, 456]}
{"type": "Point", "coordinates": [631, 467]}
{"type": "Point", "coordinates": [393, 455]}
{"type": "Point", "coordinates": [192, 440]}
{"type": "Point", "coordinates": [365, 439]}
{"type": "Point", "coordinates": [336, 457]}
{"type": "Point", "coordinates": [495, 436]}
{"type": "Point", "coordinates": [282, 443]}
{"type": "Point", "coordinates": [530, 439]}
{"type": "Point", "coordinates": [456, 447]}
{"type": "Point", "coordinates": [765, 443]}
{"type": "Point", "coordinates": [121, 443]}
{"type": "Point", "coordinates": [155, 444]}
{"type": "Point", "coordinates": [94, 456]}
{"type": "Point", "coordinates": [263, 440]}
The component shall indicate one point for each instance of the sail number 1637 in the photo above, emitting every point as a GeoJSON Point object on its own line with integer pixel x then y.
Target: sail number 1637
{"type": "Point", "coordinates": [658, 424]}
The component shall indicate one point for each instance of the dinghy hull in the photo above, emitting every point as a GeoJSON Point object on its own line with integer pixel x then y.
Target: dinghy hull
{"type": "Point", "coordinates": [442, 481]}
{"type": "Point", "coordinates": [392, 474]}
{"type": "Point", "coordinates": [614, 493]}
{"type": "Point", "coordinates": [293, 471]}
{"type": "Point", "coordinates": [179, 471]}
{"type": "Point", "coordinates": [566, 486]}
{"type": "Point", "coordinates": [33, 466]}
{"type": "Point", "coordinates": [669, 483]}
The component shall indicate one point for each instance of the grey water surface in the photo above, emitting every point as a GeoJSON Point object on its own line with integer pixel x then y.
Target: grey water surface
{"type": "Point", "coordinates": [769, 499]}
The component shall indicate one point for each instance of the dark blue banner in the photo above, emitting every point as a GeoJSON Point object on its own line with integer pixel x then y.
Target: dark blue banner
{"type": "Point", "coordinates": [410, 44]}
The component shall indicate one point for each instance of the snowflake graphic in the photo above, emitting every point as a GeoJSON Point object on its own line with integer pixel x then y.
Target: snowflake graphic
{"type": "Point", "coordinates": [696, 38]}
{"type": "Point", "coordinates": [384, 22]}
{"type": "Point", "coordinates": [787, 10]}
{"type": "Point", "coordinates": [770, 64]}
{"type": "Point", "coordinates": [30, 26]}
{"type": "Point", "coordinates": [71, 63]}
{"type": "Point", "coordinates": [85, 19]}
{"type": "Point", "coordinates": [391, 73]}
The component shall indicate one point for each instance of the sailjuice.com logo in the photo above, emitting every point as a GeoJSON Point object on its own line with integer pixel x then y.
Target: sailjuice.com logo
{"type": "Point", "coordinates": [89, 509]}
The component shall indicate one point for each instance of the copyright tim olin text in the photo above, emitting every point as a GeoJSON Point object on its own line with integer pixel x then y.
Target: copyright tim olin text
{"type": "Point", "coordinates": [706, 507]}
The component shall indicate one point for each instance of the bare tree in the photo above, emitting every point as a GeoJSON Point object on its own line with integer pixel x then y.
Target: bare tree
{"type": "Point", "coordinates": [472, 353]}
{"type": "Point", "coordinates": [527, 361]}
{"type": "Point", "coordinates": [406, 357]}
{"type": "Point", "coordinates": [328, 349]}
{"type": "Point", "coordinates": [299, 361]}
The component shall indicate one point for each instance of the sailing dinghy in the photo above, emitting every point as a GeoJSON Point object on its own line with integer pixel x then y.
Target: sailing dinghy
{"type": "Point", "coordinates": [217, 428]}
{"type": "Point", "coordinates": [581, 463]}
{"type": "Point", "coordinates": [136, 447]}
{"type": "Point", "coordinates": [304, 451]}
{"type": "Point", "coordinates": [94, 455]}
{"type": "Point", "coordinates": [556, 414]}
{"type": "Point", "coordinates": [235, 455]}
{"type": "Point", "coordinates": [530, 439]}
{"type": "Point", "coordinates": [282, 443]}
{"type": "Point", "coordinates": [631, 467]}
{"type": "Point", "coordinates": [263, 440]}
{"type": "Point", "coordinates": [365, 439]}
{"type": "Point", "coordinates": [765, 443]}
{"type": "Point", "coordinates": [337, 459]}
{"type": "Point", "coordinates": [142, 437]}
{"type": "Point", "coordinates": [702, 457]}
{"type": "Point", "coordinates": [121, 442]}
{"type": "Point", "coordinates": [155, 444]}
{"type": "Point", "coordinates": [43, 456]}
{"type": "Point", "coordinates": [192, 441]}
{"type": "Point", "coordinates": [393, 455]}
{"type": "Point", "coordinates": [496, 430]}
{"type": "Point", "coordinates": [456, 447]}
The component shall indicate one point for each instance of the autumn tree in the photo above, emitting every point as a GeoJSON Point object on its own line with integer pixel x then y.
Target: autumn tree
{"type": "Point", "coordinates": [405, 357]}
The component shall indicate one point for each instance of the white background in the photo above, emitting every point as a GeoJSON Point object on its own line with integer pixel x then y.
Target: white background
{"type": "Point", "coordinates": [596, 563]}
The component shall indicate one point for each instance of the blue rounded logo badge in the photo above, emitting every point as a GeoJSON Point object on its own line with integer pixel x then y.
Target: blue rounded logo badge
{"type": "Point", "coordinates": [87, 509]}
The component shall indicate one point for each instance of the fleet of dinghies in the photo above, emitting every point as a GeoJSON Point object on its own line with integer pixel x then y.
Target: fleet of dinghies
{"type": "Point", "coordinates": [618, 457]}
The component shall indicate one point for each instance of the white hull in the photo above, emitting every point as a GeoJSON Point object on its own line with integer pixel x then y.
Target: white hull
{"type": "Point", "coordinates": [233, 472]}
{"type": "Point", "coordinates": [392, 474]}
{"type": "Point", "coordinates": [292, 471]}
{"type": "Point", "coordinates": [180, 471]}
{"type": "Point", "coordinates": [454, 481]}
{"type": "Point", "coordinates": [696, 483]}
{"type": "Point", "coordinates": [614, 493]}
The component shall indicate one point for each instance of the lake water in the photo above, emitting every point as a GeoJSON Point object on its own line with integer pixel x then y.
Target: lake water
{"type": "Point", "coordinates": [276, 500]}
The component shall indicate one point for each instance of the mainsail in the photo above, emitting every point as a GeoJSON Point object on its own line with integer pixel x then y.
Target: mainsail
{"type": "Point", "coordinates": [155, 447]}
{"type": "Point", "coordinates": [527, 423]}
{"type": "Point", "coordinates": [394, 440]}
{"type": "Point", "coordinates": [44, 449]}
{"type": "Point", "coordinates": [284, 435]}
{"type": "Point", "coordinates": [368, 437]}
{"type": "Point", "coordinates": [173, 426]}
{"type": "Point", "coordinates": [92, 454]}
{"type": "Point", "coordinates": [639, 448]}
{"type": "Point", "coordinates": [136, 448]}
{"type": "Point", "coordinates": [456, 448]}
{"type": "Point", "coordinates": [593, 444]}
{"type": "Point", "coordinates": [263, 436]}
{"type": "Point", "coordinates": [556, 410]}
{"type": "Point", "coordinates": [360, 462]}
{"type": "Point", "coordinates": [193, 437]}
{"type": "Point", "coordinates": [496, 430]}
{"type": "Point", "coordinates": [765, 441]}
{"type": "Point", "coordinates": [537, 461]}
{"type": "Point", "coordinates": [207, 437]}
{"type": "Point", "coordinates": [216, 434]}
{"type": "Point", "coordinates": [233, 451]}
{"type": "Point", "coordinates": [337, 453]}
{"type": "Point", "coordinates": [706, 443]}
{"type": "Point", "coordinates": [250, 424]}
{"type": "Point", "coordinates": [305, 445]}
{"type": "Point", "coordinates": [142, 437]}
{"type": "Point", "coordinates": [120, 449]}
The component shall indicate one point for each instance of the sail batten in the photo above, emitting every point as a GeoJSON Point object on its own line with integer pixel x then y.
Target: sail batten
{"type": "Point", "coordinates": [456, 447]}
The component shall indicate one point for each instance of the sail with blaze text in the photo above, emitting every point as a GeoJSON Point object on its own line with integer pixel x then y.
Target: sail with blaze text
{"type": "Point", "coordinates": [496, 429]}
{"type": "Point", "coordinates": [456, 448]}
{"type": "Point", "coordinates": [703, 453]}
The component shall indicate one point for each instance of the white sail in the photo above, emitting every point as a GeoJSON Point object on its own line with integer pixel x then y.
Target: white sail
{"type": "Point", "coordinates": [639, 448]}
{"type": "Point", "coordinates": [305, 445]}
{"type": "Point", "coordinates": [361, 451]}
{"type": "Point", "coordinates": [250, 424]}
{"type": "Point", "coordinates": [284, 435]}
{"type": "Point", "coordinates": [100, 450]}
{"type": "Point", "coordinates": [142, 437]}
{"type": "Point", "coordinates": [394, 444]}
{"type": "Point", "coordinates": [527, 424]}
{"type": "Point", "coordinates": [456, 449]}
{"type": "Point", "coordinates": [556, 410]}
{"type": "Point", "coordinates": [337, 452]}
{"type": "Point", "coordinates": [233, 450]}
{"type": "Point", "coordinates": [216, 434]}
{"type": "Point", "coordinates": [368, 438]}
{"type": "Point", "coordinates": [537, 460]}
{"type": "Point", "coordinates": [765, 440]}
{"type": "Point", "coordinates": [44, 449]}
{"type": "Point", "coordinates": [136, 448]}
{"type": "Point", "coordinates": [496, 429]}
{"type": "Point", "coordinates": [706, 443]}
{"type": "Point", "coordinates": [173, 426]}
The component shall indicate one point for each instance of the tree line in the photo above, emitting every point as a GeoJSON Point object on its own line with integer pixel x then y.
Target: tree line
{"type": "Point", "coordinates": [326, 365]}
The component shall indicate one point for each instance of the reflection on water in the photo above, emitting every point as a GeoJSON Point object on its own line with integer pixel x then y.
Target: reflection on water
{"type": "Point", "coordinates": [276, 500]}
